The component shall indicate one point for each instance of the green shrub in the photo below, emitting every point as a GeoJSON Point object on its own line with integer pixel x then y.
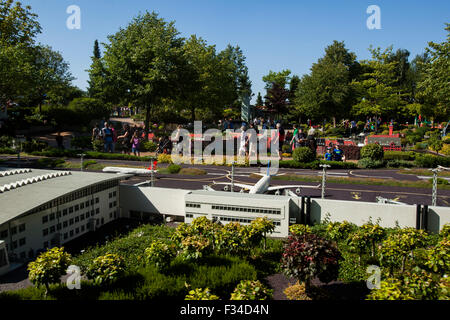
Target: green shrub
{"type": "Point", "coordinates": [148, 146]}
{"type": "Point", "coordinates": [174, 168]}
{"type": "Point", "coordinates": [438, 257]}
{"type": "Point", "coordinates": [7, 150]}
{"type": "Point", "coordinates": [286, 148]}
{"type": "Point", "coordinates": [49, 163]}
{"type": "Point", "coordinates": [396, 248]}
{"type": "Point", "coordinates": [303, 154]}
{"type": "Point", "coordinates": [34, 145]}
{"type": "Point", "coordinates": [445, 232]}
{"type": "Point", "coordinates": [48, 267]}
{"type": "Point", "coordinates": [296, 292]}
{"type": "Point", "coordinates": [164, 158]}
{"type": "Point", "coordinates": [200, 294]}
{"type": "Point", "coordinates": [97, 145]}
{"type": "Point", "coordinates": [338, 231]}
{"type": "Point", "coordinates": [299, 229]}
{"type": "Point", "coordinates": [366, 238]}
{"type": "Point", "coordinates": [418, 285]}
{"type": "Point", "coordinates": [161, 254]}
{"type": "Point", "coordinates": [350, 268]}
{"type": "Point", "coordinates": [6, 142]}
{"type": "Point", "coordinates": [372, 151]}
{"type": "Point", "coordinates": [367, 163]}
{"type": "Point", "coordinates": [251, 290]}
{"type": "Point", "coordinates": [106, 269]}
{"type": "Point", "coordinates": [88, 163]}
{"type": "Point", "coordinates": [221, 274]}
{"type": "Point", "coordinates": [131, 247]}
{"type": "Point", "coordinates": [420, 146]}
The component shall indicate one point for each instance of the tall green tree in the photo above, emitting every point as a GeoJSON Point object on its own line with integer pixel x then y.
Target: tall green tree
{"type": "Point", "coordinates": [293, 87]}
{"type": "Point", "coordinates": [49, 70]}
{"type": "Point", "coordinates": [239, 71]}
{"type": "Point", "coordinates": [207, 84]}
{"type": "Point", "coordinates": [18, 25]}
{"type": "Point", "coordinates": [281, 78]}
{"type": "Point", "coordinates": [435, 84]}
{"type": "Point", "coordinates": [142, 62]}
{"type": "Point", "coordinates": [379, 89]}
{"type": "Point", "coordinates": [326, 92]}
{"type": "Point", "coordinates": [259, 100]}
{"type": "Point", "coordinates": [97, 76]}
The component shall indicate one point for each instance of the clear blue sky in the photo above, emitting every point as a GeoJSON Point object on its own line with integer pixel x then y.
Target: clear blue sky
{"type": "Point", "coordinates": [274, 35]}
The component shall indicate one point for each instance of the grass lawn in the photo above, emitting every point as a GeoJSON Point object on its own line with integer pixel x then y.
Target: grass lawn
{"type": "Point", "coordinates": [426, 184]}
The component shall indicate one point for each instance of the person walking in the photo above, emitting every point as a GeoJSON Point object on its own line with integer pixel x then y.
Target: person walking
{"type": "Point", "coordinates": [243, 142]}
{"type": "Point", "coordinates": [338, 154]}
{"type": "Point", "coordinates": [280, 138]}
{"type": "Point", "coordinates": [135, 144]}
{"type": "Point", "coordinates": [328, 155]}
{"type": "Point", "coordinates": [108, 138]}
{"type": "Point", "coordinates": [125, 137]}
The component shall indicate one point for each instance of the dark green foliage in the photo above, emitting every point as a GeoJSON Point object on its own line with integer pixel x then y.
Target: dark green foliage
{"type": "Point", "coordinates": [372, 151]}
{"type": "Point", "coordinates": [148, 146]}
{"type": "Point", "coordinates": [5, 150]}
{"type": "Point", "coordinates": [6, 141]}
{"type": "Point", "coordinates": [399, 164]}
{"type": "Point", "coordinates": [303, 154]}
{"type": "Point", "coordinates": [82, 142]}
{"type": "Point", "coordinates": [174, 168]}
{"type": "Point", "coordinates": [430, 161]}
{"type": "Point", "coordinates": [49, 163]}
{"type": "Point", "coordinates": [131, 247]}
{"type": "Point", "coordinates": [399, 155]}
{"type": "Point", "coordinates": [367, 163]}
{"type": "Point", "coordinates": [34, 145]}
{"type": "Point", "coordinates": [316, 164]}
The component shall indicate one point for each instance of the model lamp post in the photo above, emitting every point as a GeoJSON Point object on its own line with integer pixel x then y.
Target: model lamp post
{"type": "Point", "coordinates": [434, 192]}
{"type": "Point", "coordinates": [82, 155]}
{"type": "Point", "coordinates": [232, 176]}
{"type": "Point", "coordinates": [324, 177]}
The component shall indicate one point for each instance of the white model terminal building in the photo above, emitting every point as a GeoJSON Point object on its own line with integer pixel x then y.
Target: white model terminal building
{"type": "Point", "coordinates": [41, 209]}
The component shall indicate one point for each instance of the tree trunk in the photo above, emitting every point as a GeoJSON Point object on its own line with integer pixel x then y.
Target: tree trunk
{"type": "Point", "coordinates": [308, 286]}
{"type": "Point", "coordinates": [147, 122]}
{"type": "Point", "coordinates": [193, 114]}
{"type": "Point", "coordinates": [334, 122]}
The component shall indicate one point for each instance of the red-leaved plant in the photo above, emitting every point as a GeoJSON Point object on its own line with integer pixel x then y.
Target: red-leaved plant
{"type": "Point", "coordinates": [308, 256]}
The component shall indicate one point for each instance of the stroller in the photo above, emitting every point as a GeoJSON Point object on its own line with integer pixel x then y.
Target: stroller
{"type": "Point", "coordinates": [164, 146]}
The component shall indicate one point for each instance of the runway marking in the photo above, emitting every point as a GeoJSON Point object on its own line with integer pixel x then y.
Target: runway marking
{"type": "Point", "coordinates": [394, 192]}
{"type": "Point", "coordinates": [192, 180]}
{"type": "Point", "coordinates": [356, 195]}
{"type": "Point", "coordinates": [373, 177]}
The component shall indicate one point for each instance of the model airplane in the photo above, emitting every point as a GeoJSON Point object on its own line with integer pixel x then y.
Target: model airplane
{"type": "Point", "coordinates": [263, 185]}
{"type": "Point", "coordinates": [128, 170]}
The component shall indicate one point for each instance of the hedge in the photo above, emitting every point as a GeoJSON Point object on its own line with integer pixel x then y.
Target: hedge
{"type": "Point", "coordinates": [7, 150]}
{"type": "Point", "coordinates": [316, 164]}
{"type": "Point", "coordinates": [399, 155]}
{"type": "Point", "coordinates": [430, 161]}
{"type": "Point", "coordinates": [88, 155]}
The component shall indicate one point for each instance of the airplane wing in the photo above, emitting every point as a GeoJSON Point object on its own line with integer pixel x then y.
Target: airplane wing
{"type": "Point", "coordinates": [240, 185]}
{"type": "Point", "coordinates": [127, 170]}
{"type": "Point", "coordinates": [274, 188]}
